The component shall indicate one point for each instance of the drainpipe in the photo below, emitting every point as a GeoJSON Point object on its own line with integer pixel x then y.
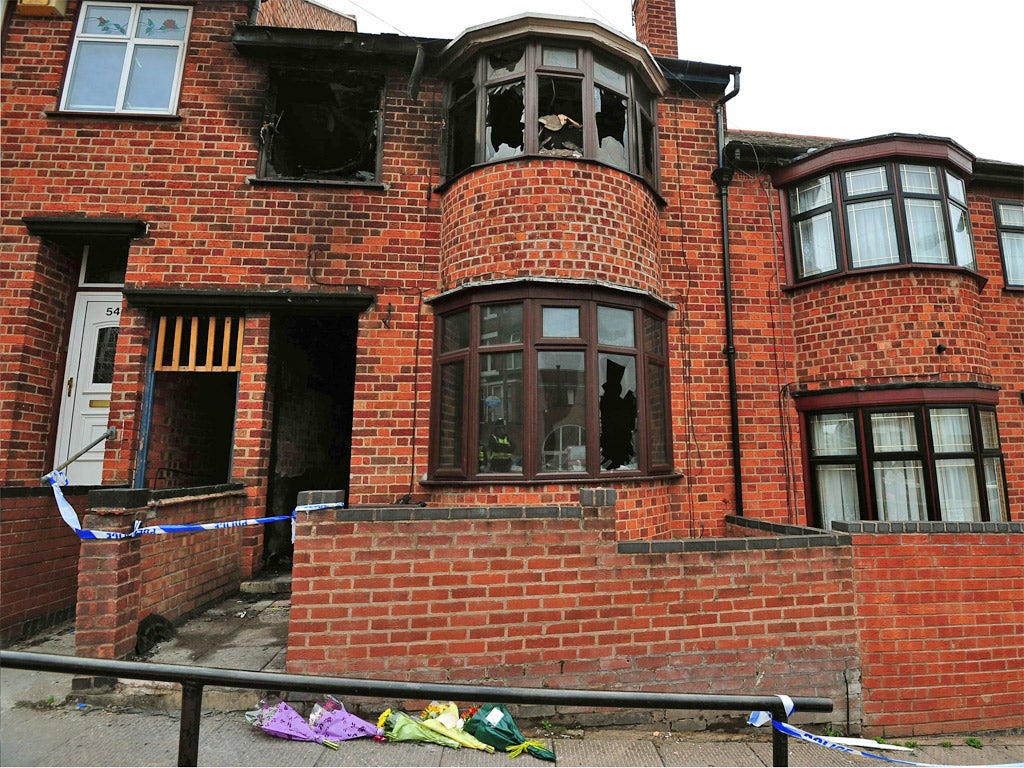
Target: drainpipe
{"type": "Point", "coordinates": [722, 176]}
{"type": "Point", "coordinates": [254, 13]}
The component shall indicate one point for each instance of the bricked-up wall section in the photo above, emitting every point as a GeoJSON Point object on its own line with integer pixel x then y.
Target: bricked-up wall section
{"type": "Point", "coordinates": [120, 582]}
{"type": "Point", "coordinates": [38, 560]}
{"type": "Point", "coordinates": [940, 608]}
{"type": "Point", "coordinates": [544, 596]}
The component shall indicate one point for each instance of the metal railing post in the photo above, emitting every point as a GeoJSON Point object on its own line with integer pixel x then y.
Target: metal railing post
{"type": "Point", "coordinates": [780, 742]}
{"type": "Point", "coordinates": [188, 734]}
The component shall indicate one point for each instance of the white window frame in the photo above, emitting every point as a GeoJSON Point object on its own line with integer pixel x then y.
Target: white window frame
{"type": "Point", "coordinates": [131, 42]}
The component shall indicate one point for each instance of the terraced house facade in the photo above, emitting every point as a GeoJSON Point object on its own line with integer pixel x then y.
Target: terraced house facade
{"type": "Point", "coordinates": [613, 395]}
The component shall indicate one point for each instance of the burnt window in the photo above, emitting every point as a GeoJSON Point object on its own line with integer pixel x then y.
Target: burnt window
{"type": "Point", "coordinates": [323, 126]}
{"type": "Point", "coordinates": [550, 98]}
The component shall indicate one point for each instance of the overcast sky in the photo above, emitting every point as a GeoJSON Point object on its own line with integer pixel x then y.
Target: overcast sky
{"type": "Point", "coordinates": [843, 70]}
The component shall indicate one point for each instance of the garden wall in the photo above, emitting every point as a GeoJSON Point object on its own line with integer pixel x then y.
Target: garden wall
{"type": "Point", "coordinates": [38, 560]}
{"type": "Point", "coordinates": [122, 581]}
{"type": "Point", "coordinates": [546, 596]}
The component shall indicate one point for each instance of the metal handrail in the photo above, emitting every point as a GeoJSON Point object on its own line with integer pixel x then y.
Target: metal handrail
{"type": "Point", "coordinates": [192, 680]}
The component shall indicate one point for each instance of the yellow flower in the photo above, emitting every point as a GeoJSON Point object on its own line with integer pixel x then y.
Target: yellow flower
{"type": "Point", "coordinates": [383, 717]}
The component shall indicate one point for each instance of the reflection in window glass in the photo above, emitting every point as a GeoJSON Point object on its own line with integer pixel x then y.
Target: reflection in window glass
{"type": "Point", "coordinates": [617, 411]}
{"type": "Point", "coordinates": [501, 394]}
{"type": "Point", "coordinates": [152, 78]}
{"type": "Point", "coordinates": [451, 421]}
{"type": "Point", "coordinates": [963, 243]}
{"type": "Point", "coordinates": [561, 411]}
{"type": "Point", "coordinates": [610, 74]}
{"type": "Point", "coordinates": [455, 331]}
{"type": "Point", "coordinates": [501, 324]}
{"type": "Point", "coordinates": [560, 322]}
{"type": "Point", "coordinates": [994, 490]}
{"type": "Point", "coordinates": [559, 57]}
{"type": "Point", "coordinates": [810, 195]}
{"type": "Point", "coordinates": [657, 412]}
{"type": "Point", "coordinates": [615, 327]}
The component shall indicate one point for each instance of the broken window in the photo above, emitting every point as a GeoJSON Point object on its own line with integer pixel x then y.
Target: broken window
{"type": "Point", "coordinates": [323, 126]}
{"type": "Point", "coordinates": [555, 99]}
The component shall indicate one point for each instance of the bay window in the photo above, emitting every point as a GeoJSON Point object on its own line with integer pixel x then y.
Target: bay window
{"type": "Point", "coordinates": [539, 383]}
{"type": "Point", "coordinates": [550, 97]}
{"type": "Point", "coordinates": [906, 463]}
{"type": "Point", "coordinates": [879, 215]}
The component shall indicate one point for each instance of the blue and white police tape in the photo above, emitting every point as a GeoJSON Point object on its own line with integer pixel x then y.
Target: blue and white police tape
{"type": "Point", "coordinates": [757, 719]}
{"type": "Point", "coordinates": [67, 512]}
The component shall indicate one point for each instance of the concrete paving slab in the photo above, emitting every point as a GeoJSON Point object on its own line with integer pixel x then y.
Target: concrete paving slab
{"type": "Point", "coordinates": [697, 753]}
{"type": "Point", "coordinates": [607, 752]}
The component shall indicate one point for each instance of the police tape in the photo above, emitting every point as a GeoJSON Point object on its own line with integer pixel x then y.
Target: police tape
{"type": "Point", "coordinates": [57, 478]}
{"type": "Point", "coordinates": [757, 719]}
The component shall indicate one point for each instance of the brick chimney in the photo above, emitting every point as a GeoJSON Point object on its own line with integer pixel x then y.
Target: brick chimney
{"type": "Point", "coordinates": [656, 26]}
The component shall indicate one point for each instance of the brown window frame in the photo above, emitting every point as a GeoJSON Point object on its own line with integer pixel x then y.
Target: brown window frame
{"type": "Point", "coordinates": [461, 461]}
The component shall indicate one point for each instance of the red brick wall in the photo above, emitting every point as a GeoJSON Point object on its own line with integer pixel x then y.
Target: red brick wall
{"type": "Point", "coordinates": [655, 22]}
{"type": "Point", "coordinates": [38, 560]}
{"type": "Point", "coordinates": [120, 582]}
{"type": "Point", "coordinates": [550, 218]}
{"type": "Point", "coordinates": [302, 14]}
{"type": "Point", "coordinates": [941, 620]}
{"type": "Point", "coordinates": [544, 597]}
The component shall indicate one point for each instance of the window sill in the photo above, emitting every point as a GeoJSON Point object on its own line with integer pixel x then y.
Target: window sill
{"type": "Point", "coordinates": [979, 279]}
{"type": "Point", "coordinates": [552, 480]}
{"type": "Point", "coordinates": [130, 116]}
{"type": "Point", "coordinates": [259, 181]}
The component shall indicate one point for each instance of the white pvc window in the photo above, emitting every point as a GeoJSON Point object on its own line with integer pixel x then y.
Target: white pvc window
{"type": "Point", "coordinates": [127, 58]}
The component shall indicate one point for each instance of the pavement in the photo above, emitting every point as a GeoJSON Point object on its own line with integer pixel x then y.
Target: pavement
{"type": "Point", "coordinates": [44, 722]}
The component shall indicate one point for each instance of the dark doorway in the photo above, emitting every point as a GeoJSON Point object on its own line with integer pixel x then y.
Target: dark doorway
{"type": "Point", "coordinates": [313, 367]}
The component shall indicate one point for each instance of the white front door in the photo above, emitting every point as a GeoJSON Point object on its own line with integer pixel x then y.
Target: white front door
{"type": "Point", "coordinates": [85, 402]}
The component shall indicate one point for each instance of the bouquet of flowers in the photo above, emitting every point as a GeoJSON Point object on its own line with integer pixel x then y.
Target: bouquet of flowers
{"type": "Point", "coordinates": [330, 719]}
{"type": "Point", "coordinates": [493, 724]}
{"type": "Point", "coordinates": [444, 719]}
{"type": "Point", "coordinates": [284, 722]}
{"type": "Point", "coordinates": [398, 726]}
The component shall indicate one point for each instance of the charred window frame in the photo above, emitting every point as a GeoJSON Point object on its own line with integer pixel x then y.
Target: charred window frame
{"type": "Point", "coordinates": [538, 384]}
{"type": "Point", "coordinates": [550, 98]}
{"type": "Point", "coordinates": [323, 126]}
{"type": "Point", "coordinates": [885, 214]}
{"type": "Point", "coordinates": [911, 462]}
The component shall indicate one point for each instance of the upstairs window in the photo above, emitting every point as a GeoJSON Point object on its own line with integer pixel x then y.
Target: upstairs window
{"type": "Point", "coordinates": [323, 126]}
{"type": "Point", "coordinates": [879, 215]}
{"type": "Point", "coordinates": [553, 385]}
{"type": "Point", "coordinates": [907, 464]}
{"type": "Point", "coordinates": [550, 98]}
{"type": "Point", "coordinates": [1010, 225]}
{"type": "Point", "coordinates": [127, 58]}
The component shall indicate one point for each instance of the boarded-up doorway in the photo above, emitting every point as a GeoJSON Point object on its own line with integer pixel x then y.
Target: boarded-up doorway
{"type": "Point", "coordinates": [313, 364]}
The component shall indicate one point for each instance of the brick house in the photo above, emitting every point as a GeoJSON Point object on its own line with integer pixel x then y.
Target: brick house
{"type": "Point", "coordinates": [615, 396]}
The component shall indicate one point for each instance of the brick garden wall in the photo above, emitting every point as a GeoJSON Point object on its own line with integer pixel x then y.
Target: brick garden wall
{"type": "Point", "coordinates": [120, 582]}
{"type": "Point", "coordinates": [941, 614]}
{"type": "Point", "coordinates": [545, 596]}
{"type": "Point", "coordinates": [38, 560]}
